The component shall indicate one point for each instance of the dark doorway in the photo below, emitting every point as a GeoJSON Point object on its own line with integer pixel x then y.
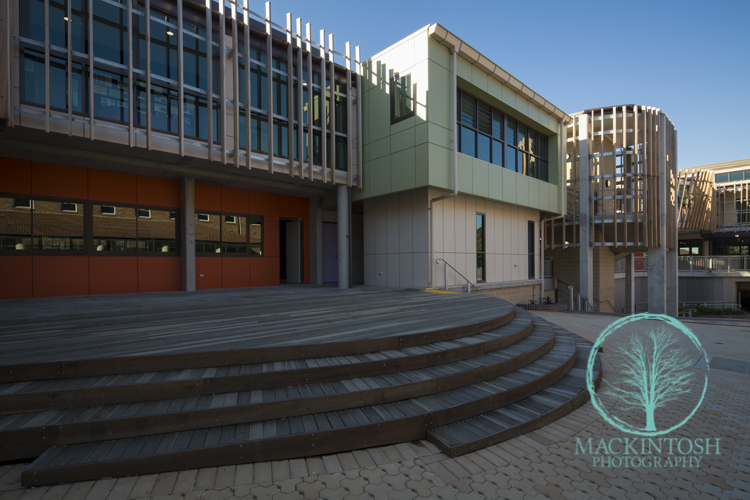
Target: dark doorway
{"type": "Point", "coordinates": [290, 251]}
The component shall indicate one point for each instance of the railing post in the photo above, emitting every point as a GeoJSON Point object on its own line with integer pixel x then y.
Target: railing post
{"type": "Point", "coordinates": [468, 286]}
{"type": "Point", "coordinates": [445, 274]}
{"type": "Point", "coordinates": [570, 289]}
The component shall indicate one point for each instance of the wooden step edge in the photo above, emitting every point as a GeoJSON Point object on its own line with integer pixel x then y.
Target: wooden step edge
{"type": "Point", "coordinates": [116, 394]}
{"type": "Point", "coordinates": [167, 362]}
{"type": "Point", "coordinates": [531, 425]}
{"type": "Point", "coordinates": [32, 441]}
{"type": "Point", "coordinates": [297, 446]}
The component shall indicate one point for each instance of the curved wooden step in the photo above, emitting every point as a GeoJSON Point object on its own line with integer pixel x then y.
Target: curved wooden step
{"type": "Point", "coordinates": [28, 435]}
{"type": "Point", "coordinates": [113, 389]}
{"type": "Point", "coordinates": [326, 333]}
{"type": "Point", "coordinates": [538, 410]}
{"type": "Point", "coordinates": [300, 436]}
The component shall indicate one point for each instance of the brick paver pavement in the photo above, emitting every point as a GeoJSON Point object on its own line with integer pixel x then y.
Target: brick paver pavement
{"type": "Point", "coordinates": [541, 464]}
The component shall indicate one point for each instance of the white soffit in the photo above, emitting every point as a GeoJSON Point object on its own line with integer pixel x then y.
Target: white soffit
{"type": "Point", "coordinates": [448, 39]}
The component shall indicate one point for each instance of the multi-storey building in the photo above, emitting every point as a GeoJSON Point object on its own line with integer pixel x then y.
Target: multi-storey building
{"type": "Point", "coordinates": [170, 144]}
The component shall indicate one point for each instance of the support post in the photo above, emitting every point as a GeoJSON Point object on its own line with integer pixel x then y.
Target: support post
{"type": "Point", "coordinates": [316, 241]}
{"type": "Point", "coordinates": [586, 252]}
{"type": "Point", "coordinates": [343, 208]}
{"type": "Point", "coordinates": [187, 236]}
{"type": "Point", "coordinates": [630, 284]}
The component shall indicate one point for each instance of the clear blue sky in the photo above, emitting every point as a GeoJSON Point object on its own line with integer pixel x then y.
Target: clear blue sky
{"type": "Point", "coordinates": [689, 58]}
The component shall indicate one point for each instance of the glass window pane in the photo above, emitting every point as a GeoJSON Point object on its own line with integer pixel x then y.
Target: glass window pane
{"type": "Point", "coordinates": [468, 142]}
{"type": "Point", "coordinates": [341, 153]}
{"type": "Point", "coordinates": [543, 170]}
{"type": "Point", "coordinates": [341, 109]}
{"type": "Point", "coordinates": [510, 159]}
{"type": "Point", "coordinates": [521, 139]}
{"type": "Point", "coordinates": [510, 131]}
{"type": "Point", "coordinates": [497, 153]}
{"type": "Point", "coordinates": [233, 234]}
{"type": "Point", "coordinates": [15, 224]}
{"type": "Point", "coordinates": [468, 111]}
{"type": "Point", "coordinates": [722, 177]}
{"type": "Point", "coordinates": [54, 229]}
{"type": "Point", "coordinates": [207, 233]}
{"type": "Point", "coordinates": [534, 142]}
{"type": "Point", "coordinates": [483, 147]}
{"type": "Point", "coordinates": [163, 48]}
{"type": "Point", "coordinates": [497, 125]}
{"type": "Point", "coordinates": [258, 87]}
{"type": "Point", "coordinates": [194, 64]}
{"type": "Point", "coordinates": [110, 96]}
{"type": "Point", "coordinates": [736, 176]}
{"type": "Point", "coordinates": [280, 139]}
{"type": "Point", "coordinates": [531, 166]}
{"type": "Point", "coordinates": [484, 119]}
{"type": "Point", "coordinates": [110, 32]}
{"type": "Point", "coordinates": [114, 230]}
{"type": "Point", "coordinates": [255, 232]}
{"type": "Point", "coordinates": [543, 146]}
{"type": "Point", "coordinates": [157, 232]}
{"type": "Point", "coordinates": [259, 133]}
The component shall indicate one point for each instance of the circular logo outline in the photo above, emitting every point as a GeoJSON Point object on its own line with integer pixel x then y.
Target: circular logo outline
{"type": "Point", "coordinates": [621, 424]}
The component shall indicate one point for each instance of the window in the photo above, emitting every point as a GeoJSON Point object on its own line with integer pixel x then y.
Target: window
{"type": "Point", "coordinates": [68, 207]}
{"type": "Point", "coordinates": [402, 102]}
{"type": "Point", "coordinates": [481, 249]}
{"type": "Point", "coordinates": [228, 234]}
{"type": "Point", "coordinates": [722, 178]}
{"type": "Point", "coordinates": [532, 261]}
{"type": "Point", "coordinates": [487, 134]}
{"type": "Point", "coordinates": [736, 176]}
{"type": "Point", "coordinates": [126, 229]}
{"type": "Point", "coordinates": [27, 224]}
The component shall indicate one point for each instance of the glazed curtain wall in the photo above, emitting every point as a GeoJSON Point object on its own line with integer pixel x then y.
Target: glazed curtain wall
{"type": "Point", "coordinates": [56, 259]}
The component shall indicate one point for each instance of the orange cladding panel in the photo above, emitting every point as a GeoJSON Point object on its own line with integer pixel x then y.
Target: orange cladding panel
{"type": "Point", "coordinates": [112, 187]}
{"type": "Point", "coordinates": [264, 271]}
{"type": "Point", "coordinates": [15, 176]}
{"type": "Point", "coordinates": [236, 272]}
{"type": "Point", "coordinates": [113, 274]}
{"type": "Point", "coordinates": [159, 274]}
{"type": "Point", "coordinates": [207, 197]}
{"type": "Point", "coordinates": [266, 204]}
{"type": "Point", "coordinates": [16, 277]}
{"type": "Point", "coordinates": [270, 237]}
{"type": "Point", "coordinates": [57, 180]}
{"type": "Point", "coordinates": [292, 207]}
{"type": "Point", "coordinates": [58, 276]}
{"type": "Point", "coordinates": [234, 200]}
{"type": "Point", "coordinates": [158, 192]}
{"type": "Point", "coordinates": [208, 273]}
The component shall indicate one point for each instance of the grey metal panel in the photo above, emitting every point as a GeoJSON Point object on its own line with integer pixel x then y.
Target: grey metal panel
{"type": "Point", "coordinates": [269, 84]}
{"type": "Point", "coordinates": [223, 87]}
{"type": "Point", "coordinates": [290, 93]}
{"type": "Point", "coordinates": [308, 34]}
{"type": "Point", "coordinates": [46, 65]}
{"type": "Point", "coordinates": [323, 129]}
{"type": "Point", "coordinates": [180, 80]}
{"type": "Point", "coordinates": [69, 63]}
{"type": "Point", "coordinates": [209, 82]}
{"type": "Point", "coordinates": [332, 114]}
{"type": "Point", "coordinates": [131, 85]}
{"type": "Point", "coordinates": [147, 73]}
{"type": "Point", "coordinates": [300, 121]}
{"type": "Point", "coordinates": [91, 71]}
{"type": "Point", "coordinates": [359, 116]}
{"type": "Point", "coordinates": [248, 114]}
{"type": "Point", "coordinates": [236, 85]}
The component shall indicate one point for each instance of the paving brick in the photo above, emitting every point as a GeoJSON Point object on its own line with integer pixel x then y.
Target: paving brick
{"type": "Point", "coordinates": [280, 470]}
{"type": "Point", "coordinates": [121, 489]}
{"type": "Point", "coordinates": [243, 475]}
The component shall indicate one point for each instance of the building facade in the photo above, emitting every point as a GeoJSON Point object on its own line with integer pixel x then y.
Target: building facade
{"type": "Point", "coordinates": [462, 161]}
{"type": "Point", "coordinates": [151, 145]}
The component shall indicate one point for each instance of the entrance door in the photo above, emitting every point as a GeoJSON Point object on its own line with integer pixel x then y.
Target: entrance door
{"type": "Point", "coordinates": [330, 253]}
{"type": "Point", "coordinates": [291, 252]}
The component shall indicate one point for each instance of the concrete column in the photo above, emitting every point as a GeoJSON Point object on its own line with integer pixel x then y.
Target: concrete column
{"type": "Point", "coordinates": [585, 251]}
{"type": "Point", "coordinates": [343, 208]}
{"type": "Point", "coordinates": [187, 233]}
{"type": "Point", "coordinates": [705, 248]}
{"type": "Point", "coordinates": [630, 284]}
{"type": "Point", "coordinates": [657, 280]}
{"type": "Point", "coordinates": [316, 241]}
{"type": "Point", "coordinates": [672, 255]}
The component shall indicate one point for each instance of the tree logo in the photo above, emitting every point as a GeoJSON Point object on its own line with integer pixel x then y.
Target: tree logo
{"type": "Point", "coordinates": [654, 368]}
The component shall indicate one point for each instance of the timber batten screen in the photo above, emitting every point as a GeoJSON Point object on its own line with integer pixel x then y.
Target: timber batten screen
{"type": "Point", "coordinates": [622, 164]}
{"type": "Point", "coordinates": [215, 82]}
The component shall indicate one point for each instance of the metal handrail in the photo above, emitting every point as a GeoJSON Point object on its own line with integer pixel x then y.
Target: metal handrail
{"type": "Point", "coordinates": [580, 298]}
{"type": "Point", "coordinates": [447, 265]}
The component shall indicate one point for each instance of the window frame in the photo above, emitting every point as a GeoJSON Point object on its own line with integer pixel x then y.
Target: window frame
{"type": "Point", "coordinates": [400, 83]}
